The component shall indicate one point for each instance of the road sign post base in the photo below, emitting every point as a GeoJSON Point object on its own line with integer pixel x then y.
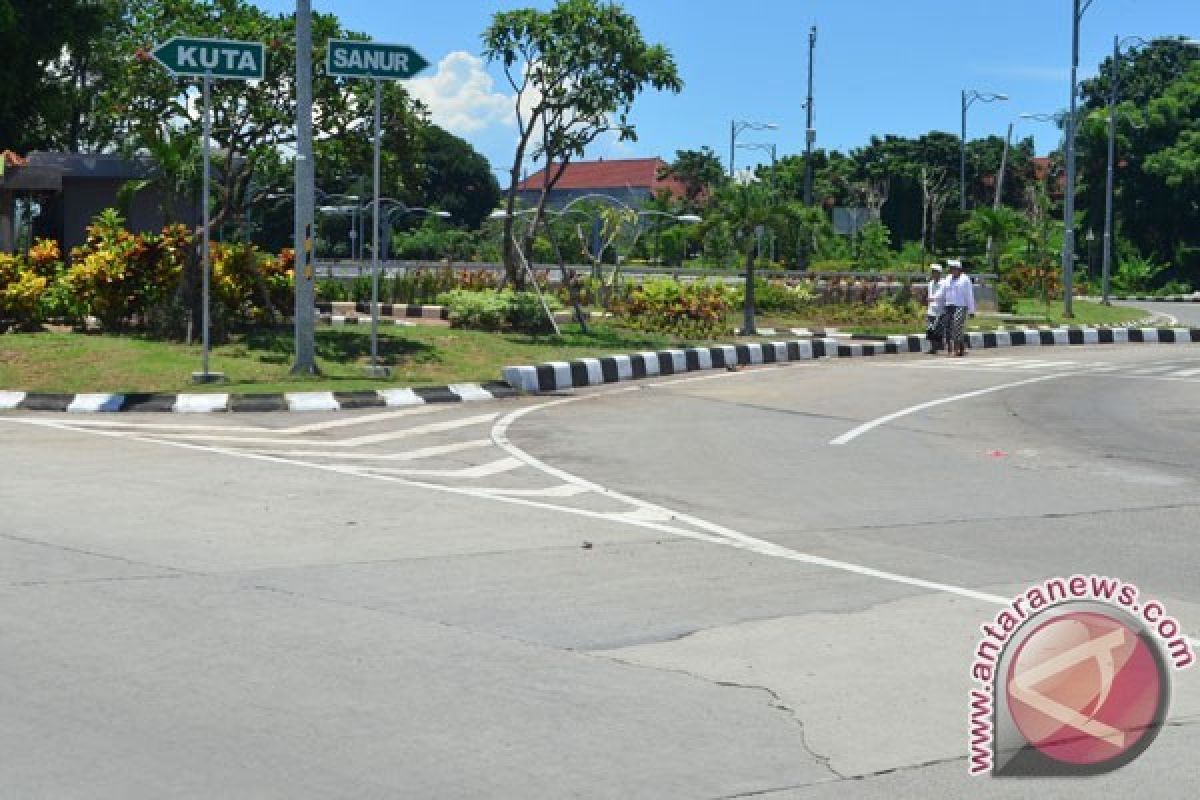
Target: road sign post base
{"type": "Point", "coordinates": [378, 372]}
{"type": "Point", "coordinates": [208, 377]}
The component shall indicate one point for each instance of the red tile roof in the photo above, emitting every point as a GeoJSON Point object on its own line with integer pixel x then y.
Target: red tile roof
{"type": "Point", "coordinates": [622, 173]}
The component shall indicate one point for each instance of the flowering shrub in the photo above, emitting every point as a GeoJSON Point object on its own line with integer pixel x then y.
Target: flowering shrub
{"type": "Point", "coordinates": [116, 275]}
{"type": "Point", "coordinates": [696, 310]}
{"type": "Point", "coordinates": [21, 290]}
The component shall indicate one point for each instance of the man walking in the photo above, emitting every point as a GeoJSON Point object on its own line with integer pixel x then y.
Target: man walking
{"type": "Point", "coordinates": [958, 294]}
{"type": "Point", "coordinates": [935, 322]}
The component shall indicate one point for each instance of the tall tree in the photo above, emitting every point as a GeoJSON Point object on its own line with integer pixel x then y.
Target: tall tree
{"type": "Point", "coordinates": [456, 178]}
{"type": "Point", "coordinates": [700, 172]}
{"type": "Point", "coordinates": [575, 71]}
{"type": "Point", "coordinates": [45, 44]}
{"type": "Point", "coordinates": [1156, 192]}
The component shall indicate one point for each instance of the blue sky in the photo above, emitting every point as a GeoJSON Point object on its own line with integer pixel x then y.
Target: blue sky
{"type": "Point", "coordinates": [881, 66]}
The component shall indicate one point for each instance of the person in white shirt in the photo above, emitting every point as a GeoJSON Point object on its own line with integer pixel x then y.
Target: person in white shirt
{"type": "Point", "coordinates": [935, 321]}
{"type": "Point", "coordinates": [958, 295]}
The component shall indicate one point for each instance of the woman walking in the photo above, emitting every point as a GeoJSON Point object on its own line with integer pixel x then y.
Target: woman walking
{"type": "Point", "coordinates": [958, 294]}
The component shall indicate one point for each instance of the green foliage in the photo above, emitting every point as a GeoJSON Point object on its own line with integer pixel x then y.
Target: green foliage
{"type": "Point", "coordinates": [491, 310]}
{"type": "Point", "coordinates": [116, 275]}
{"type": "Point", "coordinates": [1134, 273]}
{"type": "Point", "coordinates": [329, 290]}
{"type": "Point", "coordinates": [873, 250]}
{"type": "Point", "coordinates": [580, 65]}
{"type": "Point", "coordinates": [700, 172]}
{"type": "Point", "coordinates": [1006, 298]}
{"type": "Point", "coordinates": [776, 296]}
{"type": "Point", "coordinates": [21, 293]}
{"type": "Point", "coordinates": [697, 310]}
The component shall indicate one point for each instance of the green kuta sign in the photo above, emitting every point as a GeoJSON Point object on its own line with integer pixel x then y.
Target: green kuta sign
{"type": "Point", "coordinates": [353, 59]}
{"type": "Point", "coordinates": [217, 58]}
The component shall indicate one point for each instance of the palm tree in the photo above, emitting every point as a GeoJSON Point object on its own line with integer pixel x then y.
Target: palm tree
{"type": "Point", "coordinates": [994, 225]}
{"type": "Point", "coordinates": [750, 211]}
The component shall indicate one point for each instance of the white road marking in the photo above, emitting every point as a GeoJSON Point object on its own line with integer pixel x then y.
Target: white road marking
{"type": "Point", "coordinates": [866, 427]}
{"type": "Point", "coordinates": [478, 471]}
{"type": "Point", "coordinates": [1185, 373]}
{"type": "Point", "coordinates": [374, 438]}
{"type": "Point", "coordinates": [562, 490]}
{"type": "Point", "coordinates": [308, 428]}
{"type": "Point", "coordinates": [1152, 370]}
{"type": "Point", "coordinates": [407, 455]}
{"type": "Point", "coordinates": [717, 534]}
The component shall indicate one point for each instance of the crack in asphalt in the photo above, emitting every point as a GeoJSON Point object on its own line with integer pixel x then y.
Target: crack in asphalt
{"type": "Point", "coordinates": [775, 702]}
{"type": "Point", "coordinates": [85, 581]}
{"type": "Point", "coordinates": [12, 537]}
{"type": "Point", "coordinates": [1017, 518]}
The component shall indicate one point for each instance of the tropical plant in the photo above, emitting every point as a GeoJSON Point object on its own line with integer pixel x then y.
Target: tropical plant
{"type": "Point", "coordinates": [748, 211]}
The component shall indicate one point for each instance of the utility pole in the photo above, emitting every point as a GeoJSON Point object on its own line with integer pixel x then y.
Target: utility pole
{"type": "Point", "coordinates": [1068, 254]}
{"type": "Point", "coordinates": [306, 363]}
{"type": "Point", "coordinates": [1108, 180]}
{"type": "Point", "coordinates": [810, 133]}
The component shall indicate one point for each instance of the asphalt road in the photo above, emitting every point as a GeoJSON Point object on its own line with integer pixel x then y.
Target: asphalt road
{"type": "Point", "coordinates": [1187, 313]}
{"type": "Point", "coordinates": [757, 584]}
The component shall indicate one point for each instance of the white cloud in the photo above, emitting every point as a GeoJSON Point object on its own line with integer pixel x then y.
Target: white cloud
{"type": "Point", "coordinates": [462, 96]}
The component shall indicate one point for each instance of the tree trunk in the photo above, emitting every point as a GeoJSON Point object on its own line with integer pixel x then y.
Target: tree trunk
{"type": "Point", "coordinates": [748, 328]}
{"type": "Point", "coordinates": [511, 267]}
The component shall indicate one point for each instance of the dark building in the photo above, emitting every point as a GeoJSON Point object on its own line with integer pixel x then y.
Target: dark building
{"type": "Point", "coordinates": [56, 196]}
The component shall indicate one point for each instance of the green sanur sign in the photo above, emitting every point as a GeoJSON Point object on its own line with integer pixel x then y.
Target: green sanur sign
{"type": "Point", "coordinates": [352, 59]}
{"type": "Point", "coordinates": [218, 58]}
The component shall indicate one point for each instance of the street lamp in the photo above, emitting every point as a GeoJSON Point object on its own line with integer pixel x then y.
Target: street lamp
{"type": "Point", "coordinates": [968, 99]}
{"type": "Point", "coordinates": [766, 147]}
{"type": "Point", "coordinates": [736, 127]}
{"type": "Point", "coordinates": [1079, 8]}
{"type": "Point", "coordinates": [1113, 99]}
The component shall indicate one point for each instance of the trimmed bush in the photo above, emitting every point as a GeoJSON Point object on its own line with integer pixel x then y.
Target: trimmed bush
{"type": "Point", "coordinates": [699, 310]}
{"type": "Point", "coordinates": [490, 310]}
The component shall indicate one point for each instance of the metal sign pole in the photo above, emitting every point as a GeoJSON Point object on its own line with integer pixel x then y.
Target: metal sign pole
{"type": "Point", "coordinates": [206, 261]}
{"type": "Point", "coordinates": [376, 370]}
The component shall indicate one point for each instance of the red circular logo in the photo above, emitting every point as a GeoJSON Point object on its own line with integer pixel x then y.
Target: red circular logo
{"type": "Point", "coordinates": [1084, 688]}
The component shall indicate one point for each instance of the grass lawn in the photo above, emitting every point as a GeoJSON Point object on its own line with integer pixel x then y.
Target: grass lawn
{"type": "Point", "coordinates": [1086, 313]}
{"type": "Point", "coordinates": [259, 361]}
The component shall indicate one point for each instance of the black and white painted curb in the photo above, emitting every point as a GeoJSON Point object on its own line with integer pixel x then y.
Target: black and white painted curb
{"type": "Point", "coordinates": [398, 311]}
{"type": "Point", "coordinates": [283, 401]}
{"type": "Point", "coordinates": [1152, 298]}
{"type": "Point", "coordinates": [558, 375]}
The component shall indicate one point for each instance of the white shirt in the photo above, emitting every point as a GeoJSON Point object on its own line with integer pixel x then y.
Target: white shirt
{"type": "Point", "coordinates": [959, 292]}
{"type": "Point", "coordinates": [936, 303]}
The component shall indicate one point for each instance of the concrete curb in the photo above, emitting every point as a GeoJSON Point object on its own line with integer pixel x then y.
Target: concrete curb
{"type": "Point", "coordinates": [559, 375]}
{"type": "Point", "coordinates": [1150, 298]}
{"type": "Point", "coordinates": [346, 309]}
{"type": "Point", "coordinates": [282, 401]}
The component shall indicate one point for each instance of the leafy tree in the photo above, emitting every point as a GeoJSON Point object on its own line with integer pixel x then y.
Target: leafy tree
{"type": "Point", "coordinates": [456, 178]}
{"type": "Point", "coordinates": [252, 120]}
{"type": "Point", "coordinates": [993, 225]}
{"type": "Point", "coordinates": [700, 171]}
{"type": "Point", "coordinates": [1156, 191]}
{"type": "Point", "coordinates": [873, 250]}
{"type": "Point", "coordinates": [576, 71]}
{"type": "Point", "coordinates": [43, 76]}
